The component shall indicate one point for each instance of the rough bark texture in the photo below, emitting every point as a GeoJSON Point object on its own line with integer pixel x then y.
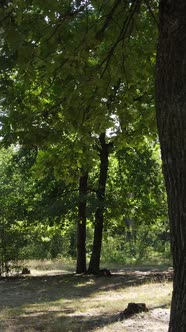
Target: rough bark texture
{"type": "Point", "coordinates": [81, 226]}
{"type": "Point", "coordinates": [171, 119]}
{"type": "Point", "coordinates": [99, 218]}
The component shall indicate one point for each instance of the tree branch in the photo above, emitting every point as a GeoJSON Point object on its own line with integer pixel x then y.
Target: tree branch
{"type": "Point", "coordinates": [108, 19]}
{"type": "Point", "coordinates": [151, 11]}
{"type": "Point", "coordinates": [123, 34]}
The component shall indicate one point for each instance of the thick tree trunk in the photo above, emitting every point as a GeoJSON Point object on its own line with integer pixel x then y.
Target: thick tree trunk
{"type": "Point", "coordinates": [81, 225]}
{"type": "Point", "coordinates": [99, 218]}
{"type": "Point", "coordinates": [171, 118]}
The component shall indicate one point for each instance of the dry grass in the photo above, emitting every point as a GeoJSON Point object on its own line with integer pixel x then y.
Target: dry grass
{"type": "Point", "coordinates": [57, 266]}
{"type": "Point", "coordinates": [67, 302]}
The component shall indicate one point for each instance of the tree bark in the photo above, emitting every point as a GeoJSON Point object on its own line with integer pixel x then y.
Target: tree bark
{"type": "Point", "coordinates": [81, 225]}
{"type": "Point", "coordinates": [171, 119]}
{"type": "Point", "coordinates": [94, 265]}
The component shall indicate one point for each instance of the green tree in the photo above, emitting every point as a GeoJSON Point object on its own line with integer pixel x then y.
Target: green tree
{"type": "Point", "coordinates": [13, 226]}
{"type": "Point", "coordinates": [58, 77]}
{"type": "Point", "coordinates": [136, 193]}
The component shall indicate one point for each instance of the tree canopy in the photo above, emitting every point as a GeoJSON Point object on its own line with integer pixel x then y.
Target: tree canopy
{"type": "Point", "coordinates": [68, 67]}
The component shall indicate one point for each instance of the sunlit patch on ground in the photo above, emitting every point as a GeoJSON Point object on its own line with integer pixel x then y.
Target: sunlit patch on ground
{"type": "Point", "coordinates": [66, 302]}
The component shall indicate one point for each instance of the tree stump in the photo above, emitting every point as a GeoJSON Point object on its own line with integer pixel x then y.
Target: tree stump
{"type": "Point", "coordinates": [25, 270]}
{"type": "Point", "coordinates": [132, 309]}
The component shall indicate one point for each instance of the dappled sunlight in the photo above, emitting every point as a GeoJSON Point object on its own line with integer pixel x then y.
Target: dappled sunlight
{"type": "Point", "coordinates": [89, 303]}
{"type": "Point", "coordinates": [85, 283]}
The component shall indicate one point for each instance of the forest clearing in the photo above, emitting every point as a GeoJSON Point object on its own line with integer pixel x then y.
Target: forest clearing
{"type": "Point", "coordinates": [60, 300]}
{"type": "Point", "coordinates": [92, 165]}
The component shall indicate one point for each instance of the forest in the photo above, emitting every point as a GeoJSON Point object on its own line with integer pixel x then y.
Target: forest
{"type": "Point", "coordinates": [91, 110]}
{"type": "Point", "coordinates": [80, 158]}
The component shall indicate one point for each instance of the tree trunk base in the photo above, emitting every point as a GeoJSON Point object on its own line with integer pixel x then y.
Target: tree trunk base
{"type": "Point", "coordinates": [100, 273]}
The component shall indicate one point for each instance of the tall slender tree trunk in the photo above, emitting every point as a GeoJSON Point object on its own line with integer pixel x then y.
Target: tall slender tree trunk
{"type": "Point", "coordinates": [94, 265]}
{"type": "Point", "coordinates": [171, 119]}
{"type": "Point", "coordinates": [81, 225]}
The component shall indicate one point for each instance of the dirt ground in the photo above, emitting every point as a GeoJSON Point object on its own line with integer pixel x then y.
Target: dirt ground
{"type": "Point", "coordinates": [156, 320]}
{"type": "Point", "coordinates": [56, 301]}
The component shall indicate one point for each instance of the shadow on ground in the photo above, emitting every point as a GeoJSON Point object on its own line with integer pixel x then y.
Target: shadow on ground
{"type": "Point", "coordinates": [59, 321]}
{"type": "Point", "coordinates": [19, 293]}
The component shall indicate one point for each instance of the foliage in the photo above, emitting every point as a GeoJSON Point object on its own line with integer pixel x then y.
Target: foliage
{"type": "Point", "coordinates": [75, 68]}
{"type": "Point", "coordinates": [69, 71]}
{"type": "Point", "coordinates": [12, 230]}
{"type": "Point", "coordinates": [40, 213]}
